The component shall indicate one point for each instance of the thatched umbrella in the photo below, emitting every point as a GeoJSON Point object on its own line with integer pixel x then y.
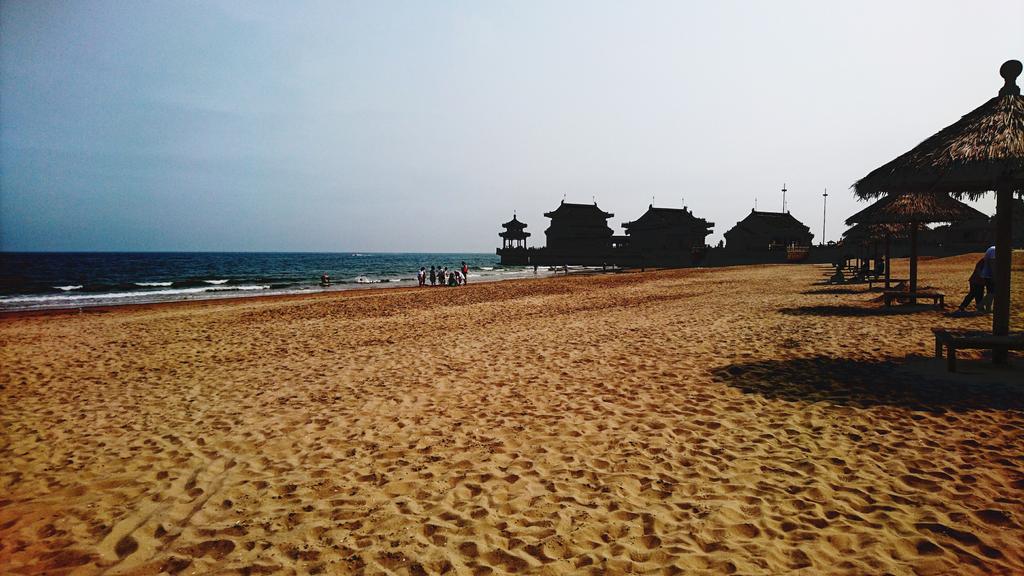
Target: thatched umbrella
{"type": "Point", "coordinates": [863, 239]}
{"type": "Point", "coordinates": [873, 232]}
{"type": "Point", "coordinates": [914, 209]}
{"type": "Point", "coordinates": [864, 233]}
{"type": "Point", "coordinates": [982, 152]}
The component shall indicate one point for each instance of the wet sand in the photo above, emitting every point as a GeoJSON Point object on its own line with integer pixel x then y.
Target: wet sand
{"type": "Point", "coordinates": [733, 420]}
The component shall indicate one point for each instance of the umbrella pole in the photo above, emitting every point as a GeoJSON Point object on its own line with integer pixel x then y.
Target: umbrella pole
{"type": "Point", "coordinates": [887, 263]}
{"type": "Point", "coordinates": [874, 258]}
{"type": "Point", "coordinates": [913, 260]}
{"type": "Point", "coordinates": [1004, 252]}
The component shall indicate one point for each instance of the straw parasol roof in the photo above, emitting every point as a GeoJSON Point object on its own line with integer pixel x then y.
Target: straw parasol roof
{"type": "Point", "coordinates": [877, 232]}
{"type": "Point", "coordinates": [973, 156]}
{"type": "Point", "coordinates": [915, 207]}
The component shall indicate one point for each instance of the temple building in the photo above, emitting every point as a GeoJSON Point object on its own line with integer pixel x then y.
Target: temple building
{"type": "Point", "coordinates": [980, 233]}
{"type": "Point", "coordinates": [667, 231]}
{"type": "Point", "coordinates": [578, 229]}
{"type": "Point", "coordinates": [579, 235]}
{"type": "Point", "coordinates": [764, 231]}
{"type": "Point", "coordinates": [513, 242]}
{"type": "Point", "coordinates": [975, 234]}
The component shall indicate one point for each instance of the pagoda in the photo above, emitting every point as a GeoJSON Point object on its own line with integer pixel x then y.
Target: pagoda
{"type": "Point", "coordinates": [513, 242]}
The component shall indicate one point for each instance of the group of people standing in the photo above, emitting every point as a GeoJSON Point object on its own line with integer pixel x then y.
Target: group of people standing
{"type": "Point", "coordinates": [438, 276]}
{"type": "Point", "coordinates": [982, 283]}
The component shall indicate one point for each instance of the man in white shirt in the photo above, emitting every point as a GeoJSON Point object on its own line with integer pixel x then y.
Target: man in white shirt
{"type": "Point", "coordinates": [988, 272]}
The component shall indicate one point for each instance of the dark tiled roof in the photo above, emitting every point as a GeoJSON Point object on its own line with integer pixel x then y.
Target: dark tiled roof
{"type": "Point", "coordinates": [771, 221]}
{"type": "Point", "coordinates": [667, 218]}
{"type": "Point", "coordinates": [514, 224]}
{"type": "Point", "coordinates": [569, 210]}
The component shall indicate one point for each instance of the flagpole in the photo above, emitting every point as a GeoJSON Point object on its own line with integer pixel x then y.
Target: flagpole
{"type": "Point", "coordinates": [824, 210]}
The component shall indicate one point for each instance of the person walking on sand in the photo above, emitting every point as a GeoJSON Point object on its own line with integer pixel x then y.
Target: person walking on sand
{"type": "Point", "coordinates": [421, 276]}
{"type": "Point", "coordinates": [465, 272]}
{"type": "Point", "coordinates": [433, 276]}
{"type": "Point", "coordinates": [976, 288]}
{"type": "Point", "coordinates": [987, 274]}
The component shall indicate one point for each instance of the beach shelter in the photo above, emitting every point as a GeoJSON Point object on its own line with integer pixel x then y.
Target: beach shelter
{"type": "Point", "coordinates": [874, 233]}
{"type": "Point", "coordinates": [913, 209]}
{"type": "Point", "coordinates": [982, 152]}
{"type": "Point", "coordinates": [861, 242]}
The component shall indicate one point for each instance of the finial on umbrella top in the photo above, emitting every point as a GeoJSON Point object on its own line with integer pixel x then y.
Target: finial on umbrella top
{"type": "Point", "coordinates": [1009, 71]}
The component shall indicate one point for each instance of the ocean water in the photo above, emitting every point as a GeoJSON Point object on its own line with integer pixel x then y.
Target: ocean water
{"type": "Point", "coordinates": [72, 280]}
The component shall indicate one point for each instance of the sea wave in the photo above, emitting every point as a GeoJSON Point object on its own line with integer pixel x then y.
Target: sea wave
{"type": "Point", "coordinates": [57, 299]}
{"type": "Point", "coordinates": [230, 288]}
{"type": "Point", "coordinates": [73, 281]}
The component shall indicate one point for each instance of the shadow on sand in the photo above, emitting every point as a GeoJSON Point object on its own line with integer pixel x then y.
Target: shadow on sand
{"type": "Point", "coordinates": [865, 384]}
{"type": "Point", "coordinates": [844, 310]}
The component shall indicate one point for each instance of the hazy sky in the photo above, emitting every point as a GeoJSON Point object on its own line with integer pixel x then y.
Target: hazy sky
{"type": "Point", "coordinates": [421, 126]}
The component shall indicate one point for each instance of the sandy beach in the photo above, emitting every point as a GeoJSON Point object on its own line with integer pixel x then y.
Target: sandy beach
{"type": "Point", "coordinates": [705, 421]}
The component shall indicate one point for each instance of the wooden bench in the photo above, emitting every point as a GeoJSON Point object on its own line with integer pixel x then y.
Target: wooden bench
{"type": "Point", "coordinates": [845, 280]}
{"type": "Point", "coordinates": [856, 278]}
{"type": "Point", "coordinates": [937, 298]}
{"type": "Point", "coordinates": [955, 340]}
{"type": "Point", "coordinates": [881, 280]}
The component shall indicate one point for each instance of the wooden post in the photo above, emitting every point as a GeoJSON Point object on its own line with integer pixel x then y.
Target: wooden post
{"type": "Point", "coordinates": [888, 264]}
{"type": "Point", "coordinates": [1004, 253]}
{"type": "Point", "coordinates": [913, 260]}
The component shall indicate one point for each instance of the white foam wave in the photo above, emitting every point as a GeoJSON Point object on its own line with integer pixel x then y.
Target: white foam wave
{"type": "Point", "coordinates": [230, 288]}
{"type": "Point", "coordinates": [216, 281]}
{"type": "Point", "coordinates": [153, 284]}
{"type": "Point", "coordinates": [55, 299]}
{"type": "Point", "coordinates": [68, 288]}
{"type": "Point", "coordinates": [365, 280]}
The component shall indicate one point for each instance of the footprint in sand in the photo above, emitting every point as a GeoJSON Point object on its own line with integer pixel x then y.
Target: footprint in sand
{"type": "Point", "coordinates": [126, 546]}
{"type": "Point", "coordinates": [994, 517]}
{"type": "Point", "coordinates": [469, 549]}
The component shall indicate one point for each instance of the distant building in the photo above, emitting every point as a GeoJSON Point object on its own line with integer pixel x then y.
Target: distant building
{"type": "Point", "coordinates": [579, 235]}
{"type": "Point", "coordinates": [976, 234]}
{"type": "Point", "coordinates": [578, 229]}
{"type": "Point", "coordinates": [980, 233]}
{"type": "Point", "coordinates": [667, 231]}
{"type": "Point", "coordinates": [763, 231]}
{"type": "Point", "coordinates": [513, 242]}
